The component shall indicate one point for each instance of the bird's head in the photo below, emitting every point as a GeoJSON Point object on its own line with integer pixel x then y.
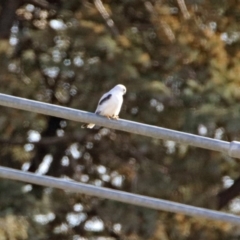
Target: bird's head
{"type": "Point", "coordinates": [120, 88]}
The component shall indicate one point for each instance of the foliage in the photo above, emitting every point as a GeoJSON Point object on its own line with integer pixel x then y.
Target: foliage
{"type": "Point", "coordinates": [180, 63]}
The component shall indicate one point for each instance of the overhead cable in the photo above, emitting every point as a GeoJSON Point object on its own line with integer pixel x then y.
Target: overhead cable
{"type": "Point", "coordinates": [120, 196]}
{"type": "Point", "coordinates": [230, 148]}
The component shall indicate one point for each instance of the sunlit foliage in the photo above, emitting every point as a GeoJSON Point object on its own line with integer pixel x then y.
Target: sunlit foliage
{"type": "Point", "coordinates": [180, 63]}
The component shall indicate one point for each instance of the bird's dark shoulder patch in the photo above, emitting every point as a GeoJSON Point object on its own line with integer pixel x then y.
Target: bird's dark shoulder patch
{"type": "Point", "coordinates": [105, 99]}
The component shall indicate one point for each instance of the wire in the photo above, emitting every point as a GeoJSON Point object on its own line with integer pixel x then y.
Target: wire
{"type": "Point", "coordinates": [232, 149]}
{"type": "Point", "coordinates": [134, 199]}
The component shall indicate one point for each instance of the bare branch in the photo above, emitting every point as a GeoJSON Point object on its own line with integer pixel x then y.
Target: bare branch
{"type": "Point", "coordinates": [183, 9]}
{"type": "Point", "coordinates": [106, 16]}
{"type": "Point", "coordinates": [8, 16]}
{"type": "Point", "coordinates": [40, 3]}
{"type": "Point", "coordinates": [166, 28]}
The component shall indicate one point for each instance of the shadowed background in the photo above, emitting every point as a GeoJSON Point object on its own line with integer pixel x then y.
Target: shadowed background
{"type": "Point", "coordinates": [180, 63]}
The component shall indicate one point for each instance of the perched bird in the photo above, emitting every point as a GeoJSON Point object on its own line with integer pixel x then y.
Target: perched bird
{"type": "Point", "coordinates": [109, 104]}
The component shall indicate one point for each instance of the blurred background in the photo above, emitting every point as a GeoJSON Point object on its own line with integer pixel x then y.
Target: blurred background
{"type": "Point", "coordinates": [180, 62]}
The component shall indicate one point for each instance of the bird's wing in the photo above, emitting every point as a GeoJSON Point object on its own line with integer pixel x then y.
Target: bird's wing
{"type": "Point", "coordinates": [102, 100]}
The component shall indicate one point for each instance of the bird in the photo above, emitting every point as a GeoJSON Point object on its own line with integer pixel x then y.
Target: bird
{"type": "Point", "coordinates": [109, 104]}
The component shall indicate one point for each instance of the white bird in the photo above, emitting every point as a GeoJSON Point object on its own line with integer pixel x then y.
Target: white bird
{"type": "Point", "coordinates": [109, 104]}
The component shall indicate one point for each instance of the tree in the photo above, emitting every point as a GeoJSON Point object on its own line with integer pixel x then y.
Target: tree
{"type": "Point", "coordinates": [179, 61]}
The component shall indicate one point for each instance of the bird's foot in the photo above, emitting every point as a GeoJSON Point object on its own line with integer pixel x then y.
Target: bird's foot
{"type": "Point", "coordinates": [116, 117]}
{"type": "Point", "coordinates": [113, 117]}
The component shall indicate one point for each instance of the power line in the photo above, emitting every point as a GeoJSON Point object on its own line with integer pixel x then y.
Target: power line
{"type": "Point", "coordinates": [233, 149]}
{"type": "Point", "coordinates": [230, 148]}
{"type": "Point", "coordinates": [116, 195]}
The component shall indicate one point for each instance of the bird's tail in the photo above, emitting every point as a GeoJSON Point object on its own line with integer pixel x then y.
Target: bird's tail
{"type": "Point", "coordinates": [88, 125]}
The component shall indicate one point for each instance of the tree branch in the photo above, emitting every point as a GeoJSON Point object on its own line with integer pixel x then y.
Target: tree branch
{"type": "Point", "coordinates": [164, 25]}
{"type": "Point", "coordinates": [225, 196]}
{"type": "Point", "coordinates": [106, 16]}
{"type": "Point", "coordinates": [39, 3]}
{"type": "Point", "coordinates": [183, 9]}
{"type": "Point", "coordinates": [8, 16]}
